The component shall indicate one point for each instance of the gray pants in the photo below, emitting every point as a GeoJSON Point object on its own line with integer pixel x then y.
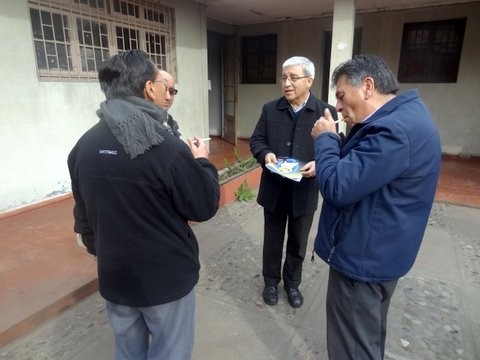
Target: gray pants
{"type": "Point", "coordinates": [357, 317]}
{"type": "Point", "coordinates": [158, 332]}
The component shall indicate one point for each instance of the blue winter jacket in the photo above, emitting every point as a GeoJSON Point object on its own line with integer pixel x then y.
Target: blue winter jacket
{"type": "Point", "coordinates": [378, 189]}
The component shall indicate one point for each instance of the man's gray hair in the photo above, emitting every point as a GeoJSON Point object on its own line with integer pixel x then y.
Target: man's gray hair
{"type": "Point", "coordinates": [307, 66]}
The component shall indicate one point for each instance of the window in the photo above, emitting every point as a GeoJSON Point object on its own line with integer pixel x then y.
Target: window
{"type": "Point", "coordinates": [51, 40]}
{"type": "Point", "coordinates": [431, 51]}
{"type": "Point", "coordinates": [156, 48]}
{"type": "Point", "coordinates": [127, 38]}
{"type": "Point", "coordinates": [73, 37]}
{"type": "Point", "coordinates": [93, 43]}
{"type": "Point", "coordinates": [97, 4]}
{"type": "Point", "coordinates": [259, 59]}
{"type": "Point", "coordinates": [126, 8]}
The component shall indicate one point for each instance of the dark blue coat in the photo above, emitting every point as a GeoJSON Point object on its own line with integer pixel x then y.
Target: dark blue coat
{"type": "Point", "coordinates": [278, 132]}
{"type": "Point", "coordinates": [378, 189]}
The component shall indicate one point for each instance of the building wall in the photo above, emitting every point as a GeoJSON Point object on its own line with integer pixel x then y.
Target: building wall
{"type": "Point", "coordinates": [190, 108]}
{"type": "Point", "coordinates": [40, 121]}
{"type": "Point", "coordinates": [296, 38]}
{"type": "Point", "coordinates": [452, 105]}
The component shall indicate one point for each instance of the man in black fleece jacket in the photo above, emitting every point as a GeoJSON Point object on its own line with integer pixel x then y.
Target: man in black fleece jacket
{"type": "Point", "coordinates": [136, 186]}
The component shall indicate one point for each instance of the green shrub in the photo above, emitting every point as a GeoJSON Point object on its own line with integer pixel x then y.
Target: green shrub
{"type": "Point", "coordinates": [244, 193]}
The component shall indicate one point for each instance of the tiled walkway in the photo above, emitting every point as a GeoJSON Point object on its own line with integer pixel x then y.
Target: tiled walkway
{"type": "Point", "coordinates": [221, 151]}
{"type": "Point", "coordinates": [42, 271]}
{"type": "Point", "coordinates": [459, 182]}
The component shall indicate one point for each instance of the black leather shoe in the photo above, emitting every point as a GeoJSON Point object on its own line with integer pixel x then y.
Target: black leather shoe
{"type": "Point", "coordinates": [270, 295]}
{"type": "Point", "coordinates": [295, 298]}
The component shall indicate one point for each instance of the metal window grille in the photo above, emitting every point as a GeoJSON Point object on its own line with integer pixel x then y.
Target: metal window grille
{"type": "Point", "coordinates": [72, 38]}
{"type": "Point", "coordinates": [431, 51]}
{"type": "Point", "coordinates": [259, 59]}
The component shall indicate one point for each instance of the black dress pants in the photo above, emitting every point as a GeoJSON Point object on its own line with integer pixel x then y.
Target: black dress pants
{"type": "Point", "coordinates": [275, 224]}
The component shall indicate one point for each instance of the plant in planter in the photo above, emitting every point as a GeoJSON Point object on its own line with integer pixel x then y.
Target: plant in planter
{"type": "Point", "coordinates": [240, 166]}
{"type": "Point", "coordinates": [244, 193]}
{"type": "Point", "coordinates": [236, 179]}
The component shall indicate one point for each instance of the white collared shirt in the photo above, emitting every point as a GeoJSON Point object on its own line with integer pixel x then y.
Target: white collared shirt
{"type": "Point", "coordinates": [301, 106]}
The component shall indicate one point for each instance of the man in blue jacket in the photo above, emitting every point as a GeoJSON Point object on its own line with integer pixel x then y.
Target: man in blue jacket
{"type": "Point", "coordinates": [378, 187]}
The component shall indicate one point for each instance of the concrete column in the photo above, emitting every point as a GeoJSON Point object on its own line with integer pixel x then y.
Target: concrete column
{"type": "Point", "coordinates": [342, 40]}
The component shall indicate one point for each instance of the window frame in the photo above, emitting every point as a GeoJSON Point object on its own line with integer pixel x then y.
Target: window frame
{"type": "Point", "coordinates": [162, 25]}
{"type": "Point", "coordinates": [258, 59]}
{"type": "Point", "coordinates": [431, 51]}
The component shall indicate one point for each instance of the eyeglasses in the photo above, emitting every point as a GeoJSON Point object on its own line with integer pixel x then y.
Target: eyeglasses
{"type": "Point", "coordinates": [171, 91]}
{"type": "Point", "coordinates": [293, 78]}
{"type": "Point", "coordinates": [164, 84]}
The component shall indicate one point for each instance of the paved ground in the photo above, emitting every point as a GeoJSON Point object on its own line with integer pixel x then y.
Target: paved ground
{"type": "Point", "coordinates": [434, 313]}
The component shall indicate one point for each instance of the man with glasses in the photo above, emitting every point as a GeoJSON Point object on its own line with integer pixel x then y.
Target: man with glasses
{"type": "Point", "coordinates": [134, 198]}
{"type": "Point", "coordinates": [283, 130]}
{"type": "Point", "coordinates": [169, 98]}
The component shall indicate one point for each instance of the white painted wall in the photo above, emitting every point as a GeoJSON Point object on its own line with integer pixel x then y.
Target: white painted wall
{"type": "Point", "coordinates": [302, 38]}
{"type": "Point", "coordinates": [41, 121]}
{"type": "Point", "coordinates": [452, 105]}
{"type": "Point", "coordinates": [190, 108]}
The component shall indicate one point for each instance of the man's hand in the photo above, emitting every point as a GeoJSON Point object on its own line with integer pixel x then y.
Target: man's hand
{"type": "Point", "coordinates": [308, 170]}
{"type": "Point", "coordinates": [198, 147]}
{"type": "Point", "coordinates": [271, 157]}
{"type": "Point", "coordinates": [326, 123]}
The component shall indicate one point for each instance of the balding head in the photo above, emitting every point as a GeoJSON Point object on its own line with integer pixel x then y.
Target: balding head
{"type": "Point", "coordinates": [170, 82]}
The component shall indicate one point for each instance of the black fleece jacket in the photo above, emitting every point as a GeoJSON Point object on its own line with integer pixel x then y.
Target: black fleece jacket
{"type": "Point", "coordinates": [133, 215]}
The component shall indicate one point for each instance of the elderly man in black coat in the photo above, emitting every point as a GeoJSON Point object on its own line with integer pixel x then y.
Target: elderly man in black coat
{"type": "Point", "coordinates": [283, 130]}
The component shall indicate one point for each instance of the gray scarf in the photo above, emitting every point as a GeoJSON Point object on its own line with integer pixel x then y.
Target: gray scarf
{"type": "Point", "coordinates": [135, 122]}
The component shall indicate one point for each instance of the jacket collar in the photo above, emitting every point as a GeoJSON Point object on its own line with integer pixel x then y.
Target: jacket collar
{"type": "Point", "coordinates": [392, 105]}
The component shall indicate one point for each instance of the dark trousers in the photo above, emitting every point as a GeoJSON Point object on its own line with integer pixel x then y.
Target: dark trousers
{"type": "Point", "coordinates": [273, 240]}
{"type": "Point", "coordinates": [357, 317]}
